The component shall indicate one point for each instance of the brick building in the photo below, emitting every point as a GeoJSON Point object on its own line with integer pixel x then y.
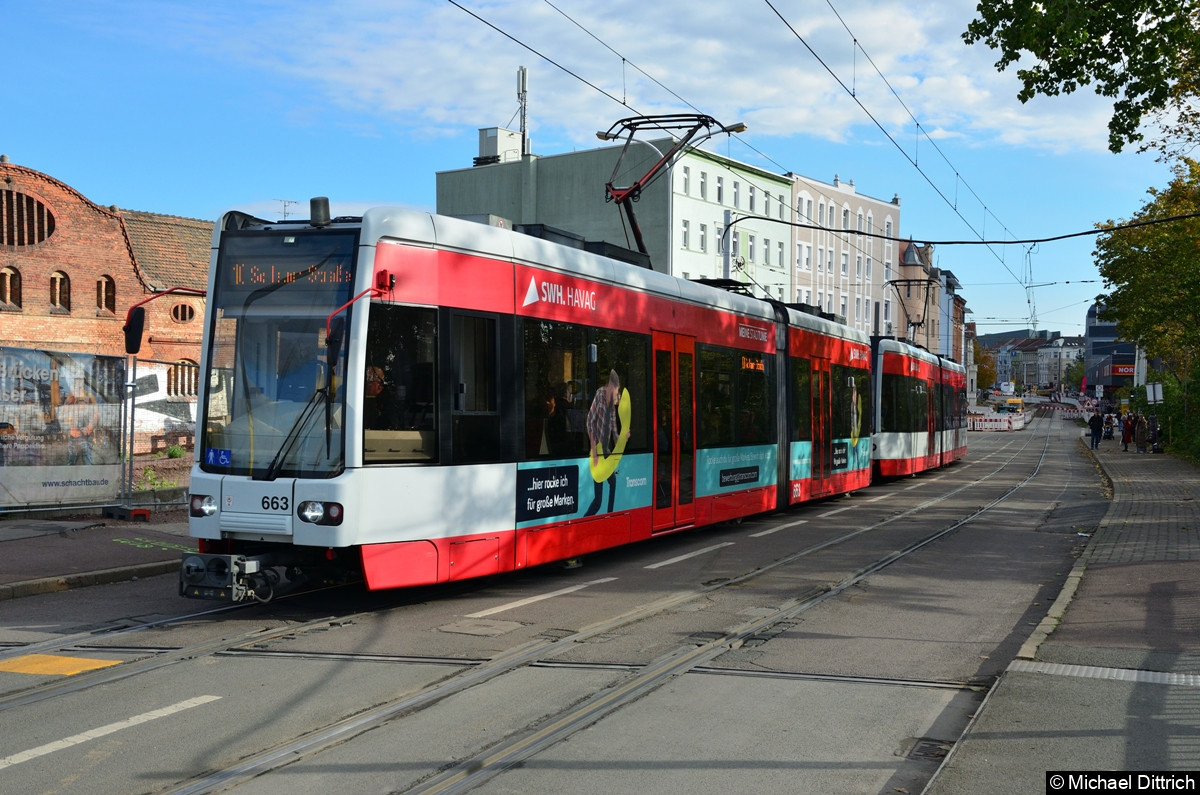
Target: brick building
{"type": "Point", "coordinates": [70, 269]}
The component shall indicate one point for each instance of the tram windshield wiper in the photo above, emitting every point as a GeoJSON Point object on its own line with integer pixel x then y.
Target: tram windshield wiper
{"type": "Point", "coordinates": [293, 435]}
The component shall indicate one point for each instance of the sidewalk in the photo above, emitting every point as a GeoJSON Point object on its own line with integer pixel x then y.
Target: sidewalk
{"type": "Point", "coordinates": [1111, 680]}
{"type": "Point", "coordinates": [56, 554]}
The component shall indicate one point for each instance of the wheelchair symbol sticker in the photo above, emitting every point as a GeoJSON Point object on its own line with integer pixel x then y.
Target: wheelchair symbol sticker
{"type": "Point", "coordinates": [215, 456]}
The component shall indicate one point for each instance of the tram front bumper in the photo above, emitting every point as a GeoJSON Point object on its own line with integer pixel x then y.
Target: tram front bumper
{"type": "Point", "coordinates": [226, 578]}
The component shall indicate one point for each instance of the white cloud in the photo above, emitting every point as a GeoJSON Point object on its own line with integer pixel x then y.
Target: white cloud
{"type": "Point", "coordinates": [432, 68]}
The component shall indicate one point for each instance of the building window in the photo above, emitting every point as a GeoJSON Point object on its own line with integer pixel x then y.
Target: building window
{"type": "Point", "coordinates": [846, 218]}
{"type": "Point", "coordinates": [845, 263]}
{"type": "Point", "coordinates": [10, 288]}
{"type": "Point", "coordinates": [767, 203]}
{"type": "Point", "coordinates": [24, 221]}
{"type": "Point", "coordinates": [843, 307]}
{"type": "Point", "coordinates": [183, 378]}
{"type": "Point", "coordinates": [767, 251]}
{"type": "Point", "coordinates": [687, 180]}
{"type": "Point", "coordinates": [868, 269]}
{"type": "Point", "coordinates": [750, 244]}
{"type": "Point", "coordinates": [686, 229]}
{"type": "Point", "coordinates": [860, 222]}
{"type": "Point", "coordinates": [737, 188]}
{"type": "Point", "coordinates": [858, 266]}
{"type": "Point", "coordinates": [703, 185]}
{"type": "Point", "coordinates": [829, 261]}
{"type": "Point", "coordinates": [60, 291]}
{"type": "Point", "coordinates": [720, 190]}
{"type": "Point", "coordinates": [751, 192]}
{"type": "Point", "coordinates": [821, 215]}
{"type": "Point", "coordinates": [704, 237]}
{"type": "Point", "coordinates": [820, 259]}
{"type": "Point", "coordinates": [781, 255]}
{"type": "Point", "coordinates": [106, 294]}
{"type": "Point", "coordinates": [808, 210]}
{"type": "Point", "coordinates": [808, 258]}
{"type": "Point", "coordinates": [183, 313]}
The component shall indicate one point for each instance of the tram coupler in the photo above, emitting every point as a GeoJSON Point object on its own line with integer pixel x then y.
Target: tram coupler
{"type": "Point", "coordinates": [227, 578]}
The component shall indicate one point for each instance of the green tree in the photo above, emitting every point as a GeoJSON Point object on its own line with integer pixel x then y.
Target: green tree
{"type": "Point", "coordinates": [985, 363]}
{"type": "Point", "coordinates": [1142, 53]}
{"type": "Point", "coordinates": [1073, 376]}
{"type": "Point", "coordinates": [1153, 282]}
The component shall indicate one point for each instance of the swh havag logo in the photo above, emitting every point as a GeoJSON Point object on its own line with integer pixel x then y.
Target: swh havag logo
{"type": "Point", "coordinates": [563, 295]}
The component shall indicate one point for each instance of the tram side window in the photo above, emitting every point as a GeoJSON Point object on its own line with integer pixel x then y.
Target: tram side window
{"type": "Point", "coordinates": [560, 385]}
{"type": "Point", "coordinates": [476, 433]}
{"type": "Point", "coordinates": [555, 381]}
{"type": "Point", "coordinates": [919, 399]}
{"type": "Point", "coordinates": [735, 400]}
{"type": "Point", "coordinates": [894, 406]}
{"type": "Point", "coordinates": [399, 406]}
{"type": "Point", "coordinates": [629, 355]}
{"type": "Point", "coordinates": [851, 401]}
{"type": "Point", "coordinates": [801, 400]}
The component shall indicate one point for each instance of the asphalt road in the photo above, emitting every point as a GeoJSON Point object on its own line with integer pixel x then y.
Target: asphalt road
{"type": "Point", "coordinates": [816, 650]}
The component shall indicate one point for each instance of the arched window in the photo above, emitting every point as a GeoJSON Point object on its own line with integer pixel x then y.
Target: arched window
{"type": "Point", "coordinates": [106, 294]}
{"type": "Point", "coordinates": [60, 291]}
{"type": "Point", "coordinates": [24, 221]}
{"type": "Point", "coordinates": [183, 313]}
{"type": "Point", "coordinates": [10, 288]}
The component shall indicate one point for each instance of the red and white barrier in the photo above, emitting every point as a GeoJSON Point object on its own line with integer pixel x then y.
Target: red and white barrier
{"type": "Point", "coordinates": [996, 422]}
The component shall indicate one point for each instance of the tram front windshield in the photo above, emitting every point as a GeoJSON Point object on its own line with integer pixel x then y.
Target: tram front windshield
{"type": "Point", "coordinates": [274, 399]}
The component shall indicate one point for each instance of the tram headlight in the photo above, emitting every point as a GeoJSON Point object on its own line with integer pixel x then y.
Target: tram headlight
{"type": "Point", "coordinates": [317, 512]}
{"type": "Point", "coordinates": [202, 505]}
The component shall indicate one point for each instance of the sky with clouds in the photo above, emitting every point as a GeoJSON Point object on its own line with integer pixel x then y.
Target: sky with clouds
{"type": "Point", "coordinates": [190, 109]}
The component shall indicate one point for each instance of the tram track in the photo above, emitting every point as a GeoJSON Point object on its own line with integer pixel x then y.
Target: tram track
{"type": "Point", "coordinates": [163, 656]}
{"type": "Point", "coordinates": [692, 657]}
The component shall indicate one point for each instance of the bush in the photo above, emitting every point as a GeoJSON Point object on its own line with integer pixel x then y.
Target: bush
{"type": "Point", "coordinates": [176, 451]}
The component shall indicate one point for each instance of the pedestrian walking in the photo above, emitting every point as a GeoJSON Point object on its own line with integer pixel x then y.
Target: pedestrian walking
{"type": "Point", "coordinates": [1141, 433]}
{"type": "Point", "coordinates": [1127, 431]}
{"type": "Point", "coordinates": [1096, 423]}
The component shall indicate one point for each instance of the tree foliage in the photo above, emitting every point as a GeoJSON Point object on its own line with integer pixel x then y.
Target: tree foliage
{"type": "Point", "coordinates": [1151, 272]}
{"type": "Point", "coordinates": [985, 363]}
{"type": "Point", "coordinates": [1152, 278]}
{"type": "Point", "coordinates": [1139, 52]}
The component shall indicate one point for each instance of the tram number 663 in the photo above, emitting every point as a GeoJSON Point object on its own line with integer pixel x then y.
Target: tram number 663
{"type": "Point", "coordinates": [275, 504]}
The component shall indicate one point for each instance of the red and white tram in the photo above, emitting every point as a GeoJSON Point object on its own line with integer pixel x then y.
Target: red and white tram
{"type": "Point", "coordinates": [920, 411]}
{"type": "Point", "coordinates": [416, 399]}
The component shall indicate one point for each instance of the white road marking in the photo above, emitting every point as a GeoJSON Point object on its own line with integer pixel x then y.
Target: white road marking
{"type": "Point", "coordinates": [835, 510]}
{"type": "Point", "coordinates": [777, 528]}
{"type": "Point", "coordinates": [112, 728]}
{"type": "Point", "coordinates": [660, 564]}
{"type": "Point", "coordinates": [532, 599]}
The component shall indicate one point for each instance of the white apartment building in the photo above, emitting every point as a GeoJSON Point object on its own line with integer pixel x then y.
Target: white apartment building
{"type": "Point", "coordinates": [844, 254]}
{"type": "Point", "coordinates": [789, 237]}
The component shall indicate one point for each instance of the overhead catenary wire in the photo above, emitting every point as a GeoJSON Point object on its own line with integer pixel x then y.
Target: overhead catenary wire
{"type": "Point", "coordinates": [953, 204]}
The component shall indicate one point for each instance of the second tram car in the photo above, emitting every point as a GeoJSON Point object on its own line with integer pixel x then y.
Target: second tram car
{"type": "Point", "coordinates": [921, 410]}
{"type": "Point", "coordinates": [419, 399]}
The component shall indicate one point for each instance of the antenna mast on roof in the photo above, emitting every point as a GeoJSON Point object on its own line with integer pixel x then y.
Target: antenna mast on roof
{"type": "Point", "coordinates": [522, 97]}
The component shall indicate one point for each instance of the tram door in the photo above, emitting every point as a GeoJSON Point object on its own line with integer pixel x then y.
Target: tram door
{"type": "Point", "coordinates": [674, 430]}
{"type": "Point", "coordinates": [822, 427]}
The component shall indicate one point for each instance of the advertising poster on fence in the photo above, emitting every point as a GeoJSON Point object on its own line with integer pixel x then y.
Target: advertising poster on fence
{"type": "Point", "coordinates": [60, 428]}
